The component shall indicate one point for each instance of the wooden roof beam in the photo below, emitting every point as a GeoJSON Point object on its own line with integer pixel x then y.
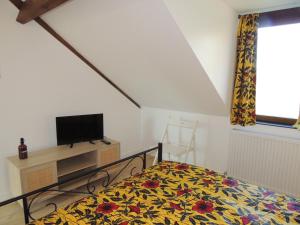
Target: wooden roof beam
{"type": "Point", "coordinates": [17, 3]}
{"type": "Point", "coordinates": [32, 9]}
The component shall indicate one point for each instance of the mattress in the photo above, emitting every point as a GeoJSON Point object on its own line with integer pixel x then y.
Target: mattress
{"type": "Point", "coordinates": [175, 193]}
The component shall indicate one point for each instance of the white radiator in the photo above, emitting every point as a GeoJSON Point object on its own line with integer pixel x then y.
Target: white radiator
{"type": "Point", "coordinates": [268, 161]}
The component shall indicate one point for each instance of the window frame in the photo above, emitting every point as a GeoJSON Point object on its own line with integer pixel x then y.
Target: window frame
{"type": "Point", "coordinates": [275, 120]}
{"type": "Point", "coordinates": [277, 18]}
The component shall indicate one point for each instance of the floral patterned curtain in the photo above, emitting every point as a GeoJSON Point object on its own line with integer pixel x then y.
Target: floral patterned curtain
{"type": "Point", "coordinates": [244, 93]}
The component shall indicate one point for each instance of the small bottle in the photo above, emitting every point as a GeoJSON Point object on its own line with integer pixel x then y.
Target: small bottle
{"type": "Point", "coordinates": [22, 150]}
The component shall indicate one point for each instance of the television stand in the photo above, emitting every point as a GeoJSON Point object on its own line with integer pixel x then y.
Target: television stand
{"type": "Point", "coordinates": [52, 165]}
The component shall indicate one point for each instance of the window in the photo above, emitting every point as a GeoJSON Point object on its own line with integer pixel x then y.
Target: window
{"type": "Point", "coordinates": [278, 74]}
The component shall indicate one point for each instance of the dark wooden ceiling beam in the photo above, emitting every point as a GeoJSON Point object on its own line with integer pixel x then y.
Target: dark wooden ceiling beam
{"type": "Point", "coordinates": [32, 9]}
{"type": "Point", "coordinates": [17, 3]}
{"type": "Point", "coordinates": [50, 30]}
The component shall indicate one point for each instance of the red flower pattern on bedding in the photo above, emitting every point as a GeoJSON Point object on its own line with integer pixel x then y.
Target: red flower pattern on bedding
{"type": "Point", "coordinates": [206, 181]}
{"type": "Point", "coordinates": [176, 206]}
{"type": "Point", "coordinates": [203, 207]}
{"type": "Point", "coordinates": [135, 209]}
{"type": "Point", "coordinates": [107, 207]}
{"type": "Point", "coordinates": [151, 184]}
{"type": "Point", "coordinates": [124, 223]}
{"type": "Point", "coordinates": [183, 191]}
{"type": "Point", "coordinates": [178, 196]}
{"type": "Point", "coordinates": [182, 166]}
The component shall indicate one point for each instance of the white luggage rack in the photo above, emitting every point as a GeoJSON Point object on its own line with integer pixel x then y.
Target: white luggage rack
{"type": "Point", "coordinates": [179, 149]}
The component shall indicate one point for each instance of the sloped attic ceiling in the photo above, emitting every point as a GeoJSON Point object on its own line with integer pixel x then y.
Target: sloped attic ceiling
{"type": "Point", "coordinates": [210, 29]}
{"type": "Point", "coordinates": [138, 45]}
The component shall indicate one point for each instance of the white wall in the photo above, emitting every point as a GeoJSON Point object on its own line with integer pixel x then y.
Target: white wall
{"type": "Point", "coordinates": [40, 79]}
{"type": "Point", "coordinates": [210, 29]}
{"type": "Point", "coordinates": [212, 138]}
{"type": "Point", "coordinates": [138, 45]}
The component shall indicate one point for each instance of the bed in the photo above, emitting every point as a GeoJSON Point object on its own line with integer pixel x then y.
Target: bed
{"type": "Point", "coordinates": [175, 193]}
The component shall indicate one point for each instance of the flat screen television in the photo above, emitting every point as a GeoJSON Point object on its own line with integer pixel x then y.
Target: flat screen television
{"type": "Point", "coordinates": [81, 128]}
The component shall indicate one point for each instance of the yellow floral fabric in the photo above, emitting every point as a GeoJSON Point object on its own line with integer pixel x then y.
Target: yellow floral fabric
{"type": "Point", "coordinates": [244, 93]}
{"type": "Point", "coordinates": [175, 194]}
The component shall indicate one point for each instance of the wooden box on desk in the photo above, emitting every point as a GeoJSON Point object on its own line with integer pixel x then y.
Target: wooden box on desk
{"type": "Point", "coordinates": [48, 166]}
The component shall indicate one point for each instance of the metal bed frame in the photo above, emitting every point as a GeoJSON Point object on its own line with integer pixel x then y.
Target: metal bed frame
{"type": "Point", "coordinates": [107, 180]}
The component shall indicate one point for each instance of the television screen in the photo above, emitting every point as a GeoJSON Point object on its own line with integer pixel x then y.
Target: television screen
{"type": "Point", "coordinates": [74, 129]}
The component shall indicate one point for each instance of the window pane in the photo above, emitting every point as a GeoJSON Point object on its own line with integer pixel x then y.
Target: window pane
{"type": "Point", "coordinates": [278, 71]}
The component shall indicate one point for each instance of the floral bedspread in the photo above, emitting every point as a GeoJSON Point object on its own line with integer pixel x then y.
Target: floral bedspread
{"type": "Point", "coordinates": [174, 193]}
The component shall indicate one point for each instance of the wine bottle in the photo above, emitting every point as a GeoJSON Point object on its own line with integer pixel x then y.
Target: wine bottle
{"type": "Point", "coordinates": [22, 150]}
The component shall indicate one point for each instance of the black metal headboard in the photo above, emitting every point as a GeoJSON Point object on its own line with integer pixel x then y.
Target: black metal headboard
{"type": "Point", "coordinates": [90, 189]}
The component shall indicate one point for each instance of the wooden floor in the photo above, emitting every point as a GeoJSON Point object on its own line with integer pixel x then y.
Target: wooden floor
{"type": "Point", "coordinates": [13, 213]}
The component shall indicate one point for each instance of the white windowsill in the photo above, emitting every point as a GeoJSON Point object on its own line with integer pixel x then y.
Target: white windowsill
{"type": "Point", "coordinates": [275, 131]}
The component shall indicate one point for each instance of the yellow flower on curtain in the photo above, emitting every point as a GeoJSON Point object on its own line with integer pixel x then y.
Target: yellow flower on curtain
{"type": "Point", "coordinates": [244, 92]}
